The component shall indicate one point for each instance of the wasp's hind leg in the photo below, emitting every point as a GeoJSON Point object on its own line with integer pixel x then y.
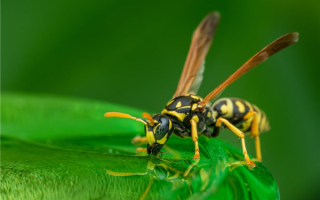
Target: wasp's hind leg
{"type": "Point", "coordinates": [239, 134]}
{"type": "Point", "coordinates": [255, 132]}
{"type": "Point", "coordinates": [194, 134]}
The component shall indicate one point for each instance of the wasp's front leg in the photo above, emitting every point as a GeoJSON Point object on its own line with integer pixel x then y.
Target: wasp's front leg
{"type": "Point", "coordinates": [140, 149]}
{"type": "Point", "coordinates": [194, 134]}
{"type": "Point", "coordinates": [139, 140]}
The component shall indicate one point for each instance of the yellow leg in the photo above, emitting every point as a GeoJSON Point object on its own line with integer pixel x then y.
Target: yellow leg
{"type": "Point", "coordinates": [240, 135]}
{"type": "Point", "coordinates": [255, 132]}
{"type": "Point", "coordinates": [139, 140]}
{"type": "Point", "coordinates": [258, 148]}
{"type": "Point", "coordinates": [141, 150]}
{"type": "Point", "coordinates": [194, 134]}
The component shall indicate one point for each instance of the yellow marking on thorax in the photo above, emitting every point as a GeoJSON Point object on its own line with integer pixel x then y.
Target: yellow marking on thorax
{"type": "Point", "coordinates": [170, 102]}
{"type": "Point", "coordinates": [194, 106]}
{"type": "Point", "coordinates": [193, 96]}
{"type": "Point", "coordinates": [241, 107]}
{"type": "Point", "coordinates": [209, 114]}
{"type": "Point", "coordinates": [196, 97]}
{"type": "Point", "coordinates": [178, 104]}
{"type": "Point", "coordinates": [163, 140]}
{"type": "Point", "coordinates": [180, 116]}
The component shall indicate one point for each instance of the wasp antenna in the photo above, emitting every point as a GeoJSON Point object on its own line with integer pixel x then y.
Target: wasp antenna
{"type": "Point", "coordinates": [123, 115]}
{"type": "Point", "coordinates": [147, 116]}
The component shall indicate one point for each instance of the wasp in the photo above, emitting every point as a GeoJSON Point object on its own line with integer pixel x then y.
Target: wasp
{"type": "Point", "coordinates": [188, 115]}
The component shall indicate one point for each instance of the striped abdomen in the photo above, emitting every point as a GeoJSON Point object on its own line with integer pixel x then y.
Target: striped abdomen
{"type": "Point", "coordinates": [234, 110]}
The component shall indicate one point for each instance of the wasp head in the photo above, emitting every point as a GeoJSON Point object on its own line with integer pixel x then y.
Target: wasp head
{"type": "Point", "coordinates": [158, 130]}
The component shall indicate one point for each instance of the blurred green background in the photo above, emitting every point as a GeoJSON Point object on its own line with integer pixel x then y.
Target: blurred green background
{"type": "Point", "coordinates": [132, 53]}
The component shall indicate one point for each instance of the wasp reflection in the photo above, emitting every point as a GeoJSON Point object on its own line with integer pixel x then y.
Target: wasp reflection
{"type": "Point", "coordinates": [176, 175]}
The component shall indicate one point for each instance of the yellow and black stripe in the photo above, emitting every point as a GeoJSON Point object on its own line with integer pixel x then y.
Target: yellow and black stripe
{"type": "Point", "coordinates": [234, 110]}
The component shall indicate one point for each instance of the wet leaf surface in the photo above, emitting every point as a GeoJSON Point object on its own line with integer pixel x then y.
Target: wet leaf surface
{"type": "Point", "coordinates": [59, 148]}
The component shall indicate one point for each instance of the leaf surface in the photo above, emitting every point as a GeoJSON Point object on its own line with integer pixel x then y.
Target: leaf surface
{"type": "Point", "coordinates": [61, 148]}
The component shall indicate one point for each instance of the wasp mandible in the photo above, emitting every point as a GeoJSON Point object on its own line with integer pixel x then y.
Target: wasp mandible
{"type": "Point", "coordinates": [188, 115]}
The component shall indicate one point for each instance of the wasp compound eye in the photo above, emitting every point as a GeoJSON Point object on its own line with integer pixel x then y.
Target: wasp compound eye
{"type": "Point", "coordinates": [162, 128]}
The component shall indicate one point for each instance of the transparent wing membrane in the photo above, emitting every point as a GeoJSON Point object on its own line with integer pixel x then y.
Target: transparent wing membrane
{"type": "Point", "coordinates": [257, 59]}
{"type": "Point", "coordinates": [201, 41]}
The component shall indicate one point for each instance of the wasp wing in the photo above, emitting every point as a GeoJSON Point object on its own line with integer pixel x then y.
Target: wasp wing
{"type": "Point", "coordinates": [257, 59]}
{"type": "Point", "coordinates": [191, 76]}
{"type": "Point", "coordinates": [197, 80]}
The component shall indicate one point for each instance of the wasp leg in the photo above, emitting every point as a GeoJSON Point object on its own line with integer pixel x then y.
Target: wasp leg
{"type": "Point", "coordinates": [142, 150]}
{"type": "Point", "coordinates": [255, 132]}
{"type": "Point", "coordinates": [139, 140]}
{"type": "Point", "coordinates": [194, 134]}
{"type": "Point", "coordinates": [240, 135]}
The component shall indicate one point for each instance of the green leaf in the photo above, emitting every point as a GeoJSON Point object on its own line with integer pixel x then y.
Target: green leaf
{"type": "Point", "coordinates": [59, 148]}
{"type": "Point", "coordinates": [47, 117]}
